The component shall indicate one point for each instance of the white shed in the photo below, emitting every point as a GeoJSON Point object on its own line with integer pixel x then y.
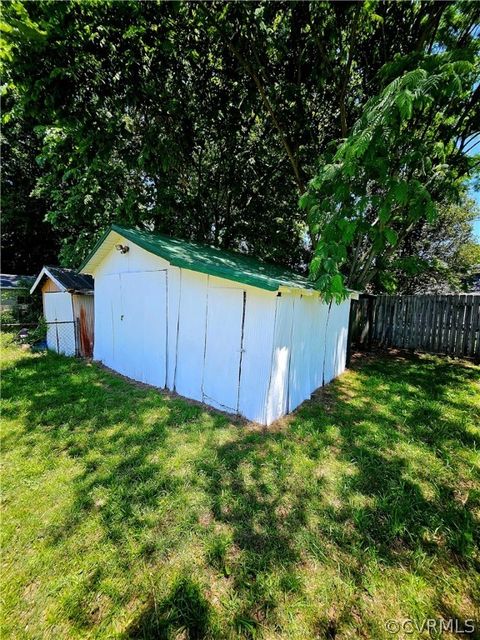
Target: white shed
{"type": "Point", "coordinates": [68, 310]}
{"type": "Point", "coordinates": [214, 326]}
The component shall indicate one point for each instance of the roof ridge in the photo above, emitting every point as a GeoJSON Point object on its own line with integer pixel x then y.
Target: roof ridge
{"type": "Point", "coordinates": [56, 266]}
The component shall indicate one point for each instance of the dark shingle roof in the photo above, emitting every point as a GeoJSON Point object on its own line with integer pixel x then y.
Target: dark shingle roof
{"type": "Point", "coordinates": [72, 280]}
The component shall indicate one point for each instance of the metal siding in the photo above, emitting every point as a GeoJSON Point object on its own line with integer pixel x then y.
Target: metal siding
{"type": "Point", "coordinates": [336, 340]}
{"type": "Point", "coordinates": [130, 325]}
{"type": "Point", "coordinates": [139, 327]}
{"type": "Point", "coordinates": [317, 353]}
{"type": "Point", "coordinates": [277, 403]}
{"type": "Point", "coordinates": [343, 314]}
{"type": "Point", "coordinates": [330, 346]}
{"type": "Point", "coordinates": [126, 285]}
{"type": "Point", "coordinates": [83, 311]}
{"type": "Point", "coordinates": [148, 324]}
{"type": "Point", "coordinates": [257, 354]}
{"type": "Point", "coordinates": [223, 348]}
{"type": "Point", "coordinates": [174, 284]}
{"type": "Point", "coordinates": [300, 359]}
{"type": "Point", "coordinates": [191, 335]}
{"type": "Point", "coordinates": [107, 295]}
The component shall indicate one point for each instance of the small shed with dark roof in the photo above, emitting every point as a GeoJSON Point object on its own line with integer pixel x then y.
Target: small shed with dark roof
{"type": "Point", "coordinates": [68, 308]}
{"type": "Point", "coordinates": [216, 326]}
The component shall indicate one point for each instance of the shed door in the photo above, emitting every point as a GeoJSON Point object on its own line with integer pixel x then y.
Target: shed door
{"type": "Point", "coordinates": [58, 311]}
{"type": "Point", "coordinates": [223, 346]}
{"type": "Point", "coordinates": [138, 326]}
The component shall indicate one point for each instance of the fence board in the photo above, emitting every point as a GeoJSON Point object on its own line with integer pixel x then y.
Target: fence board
{"type": "Point", "coordinates": [459, 326]}
{"type": "Point", "coordinates": [454, 321]}
{"type": "Point", "coordinates": [474, 327]}
{"type": "Point", "coordinates": [448, 318]}
{"type": "Point", "coordinates": [476, 331]}
{"type": "Point", "coordinates": [448, 324]}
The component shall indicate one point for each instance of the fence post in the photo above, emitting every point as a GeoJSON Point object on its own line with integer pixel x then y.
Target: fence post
{"type": "Point", "coordinates": [76, 337]}
{"type": "Point", "coordinates": [56, 334]}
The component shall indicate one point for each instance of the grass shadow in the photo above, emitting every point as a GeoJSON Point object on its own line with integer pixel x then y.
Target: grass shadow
{"type": "Point", "coordinates": [237, 524]}
{"type": "Point", "coordinates": [184, 611]}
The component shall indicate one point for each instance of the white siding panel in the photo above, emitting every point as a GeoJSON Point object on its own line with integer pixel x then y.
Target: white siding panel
{"type": "Point", "coordinates": [136, 259]}
{"type": "Point", "coordinates": [277, 404]}
{"type": "Point", "coordinates": [130, 325]}
{"type": "Point", "coordinates": [140, 352]}
{"type": "Point", "coordinates": [319, 324]}
{"type": "Point", "coordinates": [223, 348]}
{"type": "Point", "coordinates": [300, 361]}
{"type": "Point", "coordinates": [257, 354]}
{"type": "Point", "coordinates": [58, 307]}
{"type": "Point", "coordinates": [336, 340]}
{"type": "Point", "coordinates": [107, 302]}
{"type": "Point", "coordinates": [191, 335]}
{"type": "Point", "coordinates": [342, 317]}
{"type": "Point", "coordinates": [174, 283]}
{"type": "Point", "coordinates": [330, 345]}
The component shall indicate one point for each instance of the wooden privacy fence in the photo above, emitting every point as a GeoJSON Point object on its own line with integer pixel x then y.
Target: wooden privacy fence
{"type": "Point", "coordinates": [447, 324]}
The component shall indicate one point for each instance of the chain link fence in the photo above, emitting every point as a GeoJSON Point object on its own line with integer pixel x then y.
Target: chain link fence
{"type": "Point", "coordinates": [61, 337]}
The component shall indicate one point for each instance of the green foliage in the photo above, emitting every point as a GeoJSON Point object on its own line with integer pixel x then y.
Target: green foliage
{"type": "Point", "coordinates": [149, 126]}
{"type": "Point", "coordinates": [198, 120]}
{"type": "Point", "coordinates": [437, 256]}
{"type": "Point", "coordinates": [405, 154]}
{"type": "Point", "coordinates": [39, 333]}
{"type": "Point", "coordinates": [8, 316]}
{"type": "Point", "coordinates": [205, 120]}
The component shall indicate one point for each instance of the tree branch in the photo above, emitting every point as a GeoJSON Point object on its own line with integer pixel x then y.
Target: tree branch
{"type": "Point", "coordinates": [346, 76]}
{"type": "Point", "coordinates": [266, 101]}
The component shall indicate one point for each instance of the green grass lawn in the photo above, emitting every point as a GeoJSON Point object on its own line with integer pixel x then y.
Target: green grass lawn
{"type": "Point", "coordinates": [132, 514]}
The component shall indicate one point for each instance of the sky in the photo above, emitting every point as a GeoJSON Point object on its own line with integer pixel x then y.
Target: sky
{"type": "Point", "coordinates": [476, 224]}
{"type": "Point", "coordinates": [475, 194]}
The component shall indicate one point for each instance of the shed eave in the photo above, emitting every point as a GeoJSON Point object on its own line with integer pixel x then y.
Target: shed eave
{"type": "Point", "coordinates": [81, 292]}
{"type": "Point", "coordinates": [46, 272]}
{"type": "Point", "coordinates": [304, 291]}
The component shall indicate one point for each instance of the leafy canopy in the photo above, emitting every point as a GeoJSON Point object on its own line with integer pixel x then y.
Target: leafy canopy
{"type": "Point", "coordinates": [205, 121]}
{"type": "Point", "coordinates": [406, 153]}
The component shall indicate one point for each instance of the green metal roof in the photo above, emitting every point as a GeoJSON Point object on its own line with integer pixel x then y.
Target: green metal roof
{"type": "Point", "coordinates": [210, 260]}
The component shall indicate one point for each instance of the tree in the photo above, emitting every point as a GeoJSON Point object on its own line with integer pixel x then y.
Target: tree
{"type": "Point", "coordinates": [202, 121]}
{"type": "Point", "coordinates": [407, 152]}
{"type": "Point", "coordinates": [28, 241]}
{"type": "Point", "coordinates": [148, 125]}
{"type": "Point", "coordinates": [436, 256]}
